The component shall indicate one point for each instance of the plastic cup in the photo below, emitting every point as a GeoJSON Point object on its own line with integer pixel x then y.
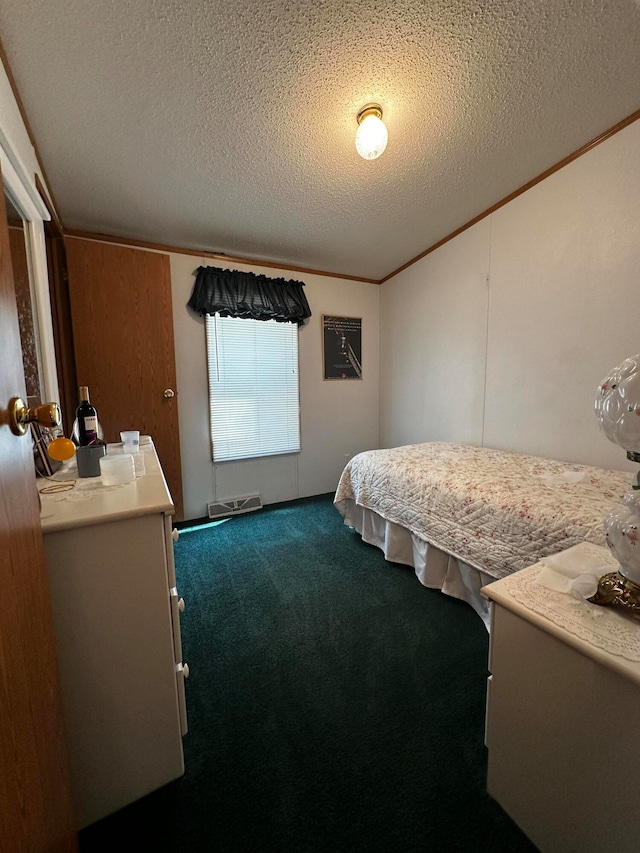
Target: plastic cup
{"type": "Point", "coordinates": [130, 440]}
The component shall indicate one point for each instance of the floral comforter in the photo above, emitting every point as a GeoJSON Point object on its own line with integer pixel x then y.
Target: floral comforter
{"type": "Point", "coordinates": [496, 511]}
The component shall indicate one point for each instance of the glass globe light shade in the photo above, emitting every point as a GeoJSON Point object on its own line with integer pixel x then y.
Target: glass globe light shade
{"type": "Point", "coordinates": [618, 405]}
{"type": "Point", "coordinates": [61, 449]}
{"type": "Point", "coordinates": [371, 137]}
{"type": "Point", "coordinates": [618, 413]}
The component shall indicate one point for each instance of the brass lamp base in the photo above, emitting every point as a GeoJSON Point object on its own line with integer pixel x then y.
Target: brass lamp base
{"type": "Point", "coordinates": [614, 590]}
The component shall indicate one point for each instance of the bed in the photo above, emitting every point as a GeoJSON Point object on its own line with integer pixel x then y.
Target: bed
{"type": "Point", "coordinates": [465, 516]}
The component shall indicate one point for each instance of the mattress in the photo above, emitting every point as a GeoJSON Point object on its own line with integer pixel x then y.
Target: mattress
{"type": "Point", "coordinates": [496, 511]}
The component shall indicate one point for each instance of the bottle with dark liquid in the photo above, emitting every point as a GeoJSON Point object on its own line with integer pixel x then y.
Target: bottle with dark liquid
{"type": "Point", "coordinates": [87, 420]}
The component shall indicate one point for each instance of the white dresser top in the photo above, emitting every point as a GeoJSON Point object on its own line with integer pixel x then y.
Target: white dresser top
{"type": "Point", "coordinates": [89, 502]}
{"type": "Point", "coordinates": [601, 633]}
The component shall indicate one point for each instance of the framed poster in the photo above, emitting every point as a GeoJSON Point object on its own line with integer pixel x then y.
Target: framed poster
{"type": "Point", "coordinates": [341, 347]}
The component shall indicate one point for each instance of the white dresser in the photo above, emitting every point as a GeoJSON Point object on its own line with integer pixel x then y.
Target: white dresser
{"type": "Point", "coordinates": [116, 615]}
{"type": "Point", "coordinates": [563, 714]}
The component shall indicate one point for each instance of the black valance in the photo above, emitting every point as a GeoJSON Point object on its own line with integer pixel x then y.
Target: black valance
{"type": "Point", "coordinates": [243, 294]}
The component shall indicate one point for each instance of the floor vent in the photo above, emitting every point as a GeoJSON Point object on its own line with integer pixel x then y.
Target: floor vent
{"type": "Point", "coordinates": [218, 509]}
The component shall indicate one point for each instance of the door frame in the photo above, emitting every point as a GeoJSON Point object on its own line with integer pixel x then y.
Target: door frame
{"type": "Point", "coordinates": [31, 206]}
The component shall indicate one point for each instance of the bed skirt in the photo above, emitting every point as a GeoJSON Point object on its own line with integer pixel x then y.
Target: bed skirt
{"type": "Point", "coordinates": [434, 568]}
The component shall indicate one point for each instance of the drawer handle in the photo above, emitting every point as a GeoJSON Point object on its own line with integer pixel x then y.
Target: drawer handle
{"type": "Point", "coordinates": [175, 534]}
{"type": "Point", "coordinates": [185, 670]}
{"type": "Point", "coordinates": [181, 605]}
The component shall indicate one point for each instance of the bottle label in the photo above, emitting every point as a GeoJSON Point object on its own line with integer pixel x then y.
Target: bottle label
{"type": "Point", "coordinates": [91, 427]}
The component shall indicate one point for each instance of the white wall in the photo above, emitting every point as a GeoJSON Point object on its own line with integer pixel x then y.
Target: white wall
{"type": "Point", "coordinates": [338, 418]}
{"type": "Point", "coordinates": [12, 129]}
{"type": "Point", "coordinates": [501, 337]}
{"type": "Point", "coordinates": [433, 345]}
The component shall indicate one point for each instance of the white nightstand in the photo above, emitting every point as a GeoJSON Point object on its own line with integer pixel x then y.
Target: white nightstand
{"type": "Point", "coordinates": [116, 614]}
{"type": "Point", "coordinates": [563, 717]}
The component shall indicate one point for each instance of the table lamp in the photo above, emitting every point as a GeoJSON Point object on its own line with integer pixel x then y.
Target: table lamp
{"type": "Point", "coordinates": [618, 412]}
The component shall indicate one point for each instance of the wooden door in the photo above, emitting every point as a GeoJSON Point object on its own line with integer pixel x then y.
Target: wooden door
{"type": "Point", "coordinates": [35, 795]}
{"type": "Point", "coordinates": [123, 336]}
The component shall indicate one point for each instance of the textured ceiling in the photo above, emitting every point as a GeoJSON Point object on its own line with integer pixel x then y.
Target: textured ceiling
{"type": "Point", "coordinates": [229, 126]}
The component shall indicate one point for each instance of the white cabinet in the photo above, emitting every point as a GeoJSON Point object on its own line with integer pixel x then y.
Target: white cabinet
{"type": "Point", "coordinates": [116, 614]}
{"type": "Point", "coordinates": [562, 731]}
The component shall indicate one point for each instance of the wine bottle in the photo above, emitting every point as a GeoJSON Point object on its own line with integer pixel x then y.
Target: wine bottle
{"type": "Point", "coordinates": [87, 420]}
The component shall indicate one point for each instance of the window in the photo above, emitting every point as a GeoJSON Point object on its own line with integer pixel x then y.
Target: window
{"type": "Point", "coordinates": [254, 406]}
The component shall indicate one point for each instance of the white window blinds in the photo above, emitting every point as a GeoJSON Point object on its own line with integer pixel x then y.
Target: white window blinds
{"type": "Point", "coordinates": [253, 387]}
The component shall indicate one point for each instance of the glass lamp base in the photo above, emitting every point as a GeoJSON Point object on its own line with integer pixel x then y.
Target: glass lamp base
{"type": "Point", "coordinates": [614, 590]}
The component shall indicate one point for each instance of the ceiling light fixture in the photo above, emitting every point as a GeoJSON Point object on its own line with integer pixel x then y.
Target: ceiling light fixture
{"type": "Point", "coordinates": [371, 136]}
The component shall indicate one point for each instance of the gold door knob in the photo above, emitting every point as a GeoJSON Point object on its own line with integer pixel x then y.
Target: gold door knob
{"type": "Point", "coordinates": [169, 393]}
{"type": "Point", "coordinates": [47, 415]}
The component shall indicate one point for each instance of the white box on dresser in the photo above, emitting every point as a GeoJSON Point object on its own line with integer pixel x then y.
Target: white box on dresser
{"type": "Point", "coordinates": [562, 718]}
{"type": "Point", "coordinates": [109, 553]}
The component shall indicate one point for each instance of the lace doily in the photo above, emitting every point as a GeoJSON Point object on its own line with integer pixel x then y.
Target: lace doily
{"type": "Point", "coordinates": [600, 626]}
{"type": "Point", "coordinates": [83, 490]}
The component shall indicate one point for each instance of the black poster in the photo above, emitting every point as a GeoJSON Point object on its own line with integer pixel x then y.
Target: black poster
{"type": "Point", "coordinates": [342, 347]}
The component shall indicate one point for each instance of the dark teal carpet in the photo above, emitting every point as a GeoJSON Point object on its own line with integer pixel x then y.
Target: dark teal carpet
{"type": "Point", "coordinates": [334, 703]}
